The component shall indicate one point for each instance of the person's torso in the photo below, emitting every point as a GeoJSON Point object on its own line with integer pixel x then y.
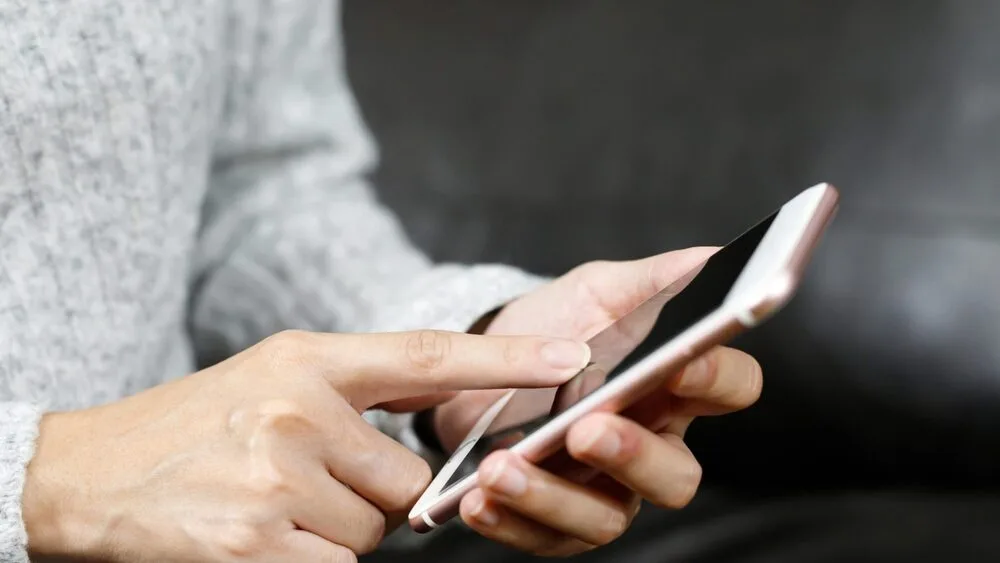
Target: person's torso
{"type": "Point", "coordinates": [107, 110]}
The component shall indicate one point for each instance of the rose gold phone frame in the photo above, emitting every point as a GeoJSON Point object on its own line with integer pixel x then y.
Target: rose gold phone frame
{"type": "Point", "coordinates": [715, 329]}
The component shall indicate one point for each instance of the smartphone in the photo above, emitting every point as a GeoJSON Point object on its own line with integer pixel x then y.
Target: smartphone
{"type": "Point", "coordinates": [736, 288]}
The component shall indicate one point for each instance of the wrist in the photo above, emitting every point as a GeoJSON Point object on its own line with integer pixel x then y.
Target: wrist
{"type": "Point", "coordinates": [55, 524]}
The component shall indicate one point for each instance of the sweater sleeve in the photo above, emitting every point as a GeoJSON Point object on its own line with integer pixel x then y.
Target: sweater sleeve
{"type": "Point", "coordinates": [18, 430]}
{"type": "Point", "coordinates": [292, 235]}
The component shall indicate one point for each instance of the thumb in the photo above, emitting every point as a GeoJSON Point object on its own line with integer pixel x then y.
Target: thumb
{"type": "Point", "coordinates": [381, 368]}
{"type": "Point", "coordinates": [673, 270]}
{"type": "Point", "coordinates": [619, 287]}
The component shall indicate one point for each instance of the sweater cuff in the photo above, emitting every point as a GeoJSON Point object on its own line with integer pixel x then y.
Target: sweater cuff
{"type": "Point", "coordinates": [454, 297]}
{"type": "Point", "coordinates": [18, 432]}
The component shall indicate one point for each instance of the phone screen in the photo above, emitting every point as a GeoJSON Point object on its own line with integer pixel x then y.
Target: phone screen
{"type": "Point", "coordinates": [618, 347]}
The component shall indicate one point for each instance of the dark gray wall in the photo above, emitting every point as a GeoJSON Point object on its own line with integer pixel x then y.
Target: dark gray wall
{"type": "Point", "coordinates": [547, 133]}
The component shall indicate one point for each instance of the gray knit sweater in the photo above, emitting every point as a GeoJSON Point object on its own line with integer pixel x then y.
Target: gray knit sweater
{"type": "Point", "coordinates": [177, 181]}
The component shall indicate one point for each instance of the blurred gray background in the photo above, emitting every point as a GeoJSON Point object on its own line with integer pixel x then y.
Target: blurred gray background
{"type": "Point", "coordinates": [547, 133]}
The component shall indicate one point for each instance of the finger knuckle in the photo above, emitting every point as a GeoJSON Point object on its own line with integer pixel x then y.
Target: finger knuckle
{"type": "Point", "coordinates": [613, 527]}
{"type": "Point", "coordinates": [513, 352]}
{"type": "Point", "coordinates": [739, 379]}
{"type": "Point", "coordinates": [241, 541]}
{"type": "Point", "coordinates": [427, 350]}
{"type": "Point", "coordinates": [650, 283]}
{"type": "Point", "coordinates": [580, 439]}
{"type": "Point", "coordinates": [287, 346]}
{"type": "Point", "coordinates": [685, 487]}
{"type": "Point", "coordinates": [373, 531]}
{"type": "Point", "coordinates": [710, 364]}
{"type": "Point", "coordinates": [586, 278]}
{"type": "Point", "coordinates": [265, 478]}
{"type": "Point", "coordinates": [590, 268]}
{"type": "Point", "coordinates": [337, 554]}
{"type": "Point", "coordinates": [415, 477]}
{"type": "Point", "coordinates": [285, 417]}
{"type": "Point", "coordinates": [267, 483]}
{"type": "Point", "coordinates": [561, 549]}
{"type": "Point", "coordinates": [289, 339]}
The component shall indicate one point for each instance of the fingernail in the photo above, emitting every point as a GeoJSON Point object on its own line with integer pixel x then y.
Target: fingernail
{"type": "Point", "coordinates": [566, 355]}
{"type": "Point", "coordinates": [695, 375]}
{"type": "Point", "coordinates": [506, 479]}
{"type": "Point", "coordinates": [484, 514]}
{"type": "Point", "coordinates": [604, 443]}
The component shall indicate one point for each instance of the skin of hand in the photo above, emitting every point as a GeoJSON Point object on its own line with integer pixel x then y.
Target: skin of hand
{"type": "Point", "coordinates": [265, 456]}
{"type": "Point", "coordinates": [545, 513]}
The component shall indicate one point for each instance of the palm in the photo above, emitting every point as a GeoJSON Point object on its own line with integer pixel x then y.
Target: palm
{"type": "Point", "coordinates": [577, 305]}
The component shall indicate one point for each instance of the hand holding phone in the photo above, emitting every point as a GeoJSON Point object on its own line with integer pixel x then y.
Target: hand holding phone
{"type": "Point", "coordinates": [737, 287]}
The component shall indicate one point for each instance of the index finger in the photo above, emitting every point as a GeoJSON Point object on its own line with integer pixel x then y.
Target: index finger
{"type": "Point", "coordinates": [377, 368]}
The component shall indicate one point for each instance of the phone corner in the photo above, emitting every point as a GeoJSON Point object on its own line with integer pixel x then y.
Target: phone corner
{"type": "Point", "coordinates": [421, 523]}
